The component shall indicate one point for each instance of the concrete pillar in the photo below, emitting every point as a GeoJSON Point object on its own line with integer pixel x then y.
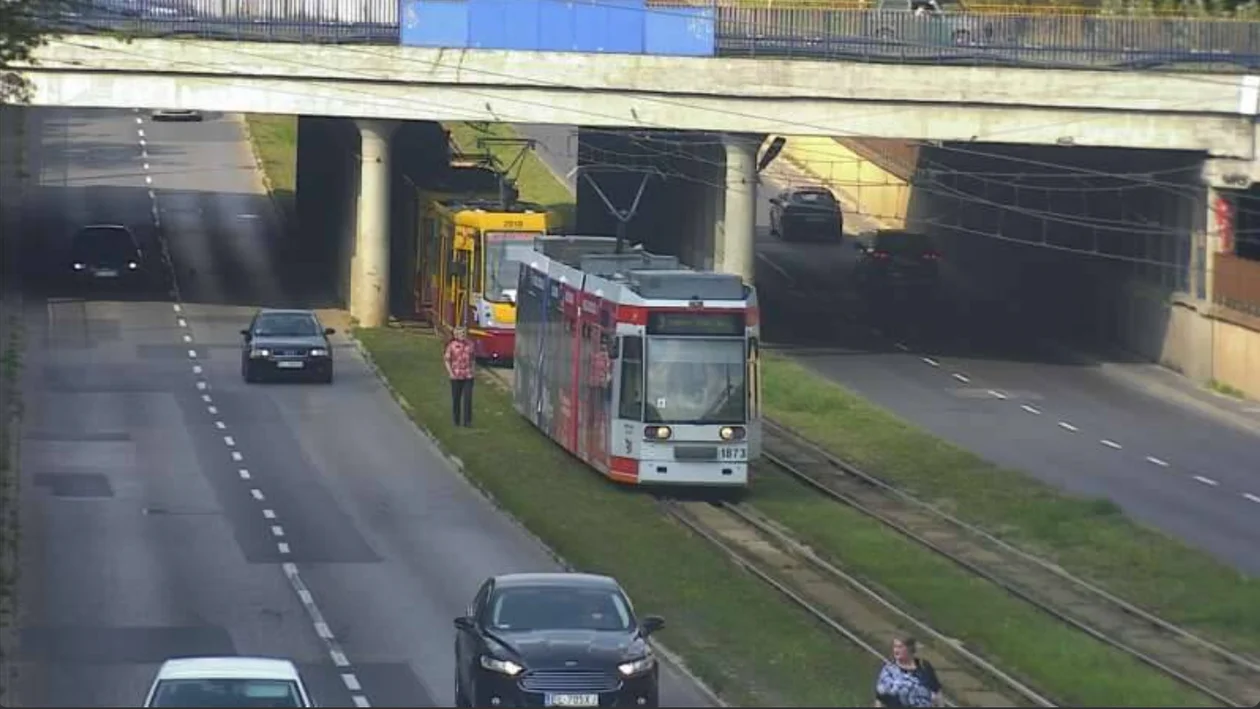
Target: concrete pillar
{"type": "Point", "coordinates": [369, 284]}
{"type": "Point", "coordinates": [735, 250]}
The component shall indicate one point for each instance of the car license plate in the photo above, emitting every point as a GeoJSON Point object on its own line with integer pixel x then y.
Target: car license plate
{"type": "Point", "coordinates": [106, 273]}
{"type": "Point", "coordinates": [733, 453]}
{"type": "Point", "coordinates": [290, 365]}
{"type": "Point", "coordinates": [572, 700]}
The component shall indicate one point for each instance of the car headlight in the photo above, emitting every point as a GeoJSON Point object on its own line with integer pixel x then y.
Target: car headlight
{"type": "Point", "coordinates": [132, 265]}
{"type": "Point", "coordinates": [507, 667]}
{"type": "Point", "coordinates": [260, 353]}
{"type": "Point", "coordinates": [639, 666]}
{"type": "Point", "coordinates": [319, 352]}
{"type": "Point", "coordinates": [78, 266]}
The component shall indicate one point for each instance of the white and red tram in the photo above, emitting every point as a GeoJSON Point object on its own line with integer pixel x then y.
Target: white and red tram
{"type": "Point", "coordinates": [646, 370]}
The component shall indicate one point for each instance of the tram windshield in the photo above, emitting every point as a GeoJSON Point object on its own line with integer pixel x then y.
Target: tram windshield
{"type": "Point", "coordinates": [505, 252]}
{"type": "Point", "coordinates": [695, 380]}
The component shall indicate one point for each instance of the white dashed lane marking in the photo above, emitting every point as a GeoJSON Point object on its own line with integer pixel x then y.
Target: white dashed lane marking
{"type": "Point", "coordinates": [352, 682]}
{"type": "Point", "coordinates": [269, 514]}
{"type": "Point", "coordinates": [220, 425]}
{"type": "Point", "coordinates": [277, 530]}
{"type": "Point", "coordinates": [258, 495]}
{"type": "Point", "coordinates": [237, 457]}
{"type": "Point", "coordinates": [1251, 498]}
{"type": "Point", "coordinates": [244, 473]}
{"type": "Point", "coordinates": [229, 441]}
{"type": "Point", "coordinates": [959, 376]}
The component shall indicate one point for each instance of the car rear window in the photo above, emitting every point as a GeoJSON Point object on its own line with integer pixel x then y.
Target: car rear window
{"type": "Point", "coordinates": [814, 198]}
{"type": "Point", "coordinates": [902, 242]}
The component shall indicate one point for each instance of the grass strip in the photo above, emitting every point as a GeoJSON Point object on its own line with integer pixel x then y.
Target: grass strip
{"type": "Point", "coordinates": [1088, 537]}
{"type": "Point", "coordinates": [535, 180]}
{"type": "Point", "coordinates": [275, 143]}
{"type": "Point", "coordinates": [1061, 661]}
{"type": "Point", "coordinates": [736, 633]}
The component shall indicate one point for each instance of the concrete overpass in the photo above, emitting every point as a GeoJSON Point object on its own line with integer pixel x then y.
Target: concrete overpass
{"type": "Point", "coordinates": [1209, 115]}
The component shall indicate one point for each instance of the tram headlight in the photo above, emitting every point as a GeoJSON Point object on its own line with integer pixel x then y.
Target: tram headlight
{"type": "Point", "coordinates": [658, 433]}
{"type": "Point", "coordinates": [731, 433]}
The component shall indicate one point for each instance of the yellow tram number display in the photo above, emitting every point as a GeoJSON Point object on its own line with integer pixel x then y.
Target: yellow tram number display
{"type": "Point", "coordinates": [468, 261]}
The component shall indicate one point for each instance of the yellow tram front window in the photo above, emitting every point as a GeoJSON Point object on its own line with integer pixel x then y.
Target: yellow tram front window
{"type": "Point", "coordinates": [505, 251]}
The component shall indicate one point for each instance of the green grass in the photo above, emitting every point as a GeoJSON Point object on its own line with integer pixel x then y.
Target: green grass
{"type": "Point", "coordinates": [275, 140]}
{"type": "Point", "coordinates": [1070, 666]}
{"type": "Point", "coordinates": [1226, 389]}
{"type": "Point", "coordinates": [536, 181]}
{"type": "Point", "coordinates": [735, 632]}
{"type": "Point", "coordinates": [1088, 537]}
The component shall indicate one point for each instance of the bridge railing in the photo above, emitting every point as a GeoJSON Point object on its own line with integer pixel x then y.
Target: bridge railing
{"type": "Point", "coordinates": [309, 21]}
{"type": "Point", "coordinates": [771, 31]}
{"type": "Point", "coordinates": [1086, 41]}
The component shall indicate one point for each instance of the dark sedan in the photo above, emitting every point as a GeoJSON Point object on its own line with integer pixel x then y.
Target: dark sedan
{"type": "Point", "coordinates": [554, 640]}
{"type": "Point", "coordinates": [806, 212]}
{"type": "Point", "coordinates": [289, 342]}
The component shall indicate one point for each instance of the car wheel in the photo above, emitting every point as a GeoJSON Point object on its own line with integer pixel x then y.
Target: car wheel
{"type": "Point", "coordinates": [326, 377]}
{"type": "Point", "coordinates": [249, 374]}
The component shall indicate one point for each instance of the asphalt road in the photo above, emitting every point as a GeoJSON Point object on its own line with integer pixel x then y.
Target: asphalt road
{"type": "Point", "coordinates": [169, 509]}
{"type": "Point", "coordinates": [1069, 425]}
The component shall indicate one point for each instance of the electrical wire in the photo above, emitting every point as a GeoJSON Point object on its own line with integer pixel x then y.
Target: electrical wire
{"type": "Point", "coordinates": [1039, 214]}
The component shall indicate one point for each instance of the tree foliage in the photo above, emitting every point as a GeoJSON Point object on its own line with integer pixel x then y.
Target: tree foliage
{"type": "Point", "coordinates": [25, 25]}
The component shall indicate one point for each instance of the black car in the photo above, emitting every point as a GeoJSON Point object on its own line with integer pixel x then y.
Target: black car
{"type": "Point", "coordinates": [286, 342]}
{"type": "Point", "coordinates": [107, 255]}
{"type": "Point", "coordinates": [556, 640]}
{"type": "Point", "coordinates": [896, 259]}
{"type": "Point", "coordinates": [806, 212]}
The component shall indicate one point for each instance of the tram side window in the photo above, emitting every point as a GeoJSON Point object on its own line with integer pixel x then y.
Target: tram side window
{"type": "Point", "coordinates": [631, 379]}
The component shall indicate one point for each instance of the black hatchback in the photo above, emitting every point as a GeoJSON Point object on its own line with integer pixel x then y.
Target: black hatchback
{"type": "Point", "coordinates": [107, 255]}
{"type": "Point", "coordinates": [806, 213]}
{"type": "Point", "coordinates": [554, 640]}
{"type": "Point", "coordinates": [286, 342]}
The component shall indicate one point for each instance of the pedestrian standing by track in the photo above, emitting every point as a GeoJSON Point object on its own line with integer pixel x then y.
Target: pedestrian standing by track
{"type": "Point", "coordinates": [906, 680]}
{"type": "Point", "coordinates": [458, 358]}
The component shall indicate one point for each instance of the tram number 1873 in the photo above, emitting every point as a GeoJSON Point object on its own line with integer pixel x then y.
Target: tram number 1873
{"type": "Point", "coordinates": [733, 453]}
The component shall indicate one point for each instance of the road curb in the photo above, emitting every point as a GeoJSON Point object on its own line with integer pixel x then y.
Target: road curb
{"type": "Point", "coordinates": [261, 170]}
{"type": "Point", "coordinates": [672, 658]}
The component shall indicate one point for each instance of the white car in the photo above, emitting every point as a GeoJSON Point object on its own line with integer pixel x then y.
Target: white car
{"type": "Point", "coordinates": [228, 682]}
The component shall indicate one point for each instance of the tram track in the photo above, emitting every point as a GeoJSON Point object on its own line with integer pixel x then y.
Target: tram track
{"type": "Point", "coordinates": [854, 610]}
{"type": "Point", "coordinates": [1207, 667]}
{"type": "Point", "coordinates": [1215, 671]}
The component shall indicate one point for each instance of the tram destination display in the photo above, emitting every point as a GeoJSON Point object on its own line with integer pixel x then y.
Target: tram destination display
{"type": "Point", "coordinates": [692, 323]}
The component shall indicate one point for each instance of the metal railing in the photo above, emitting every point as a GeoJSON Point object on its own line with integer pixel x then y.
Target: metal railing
{"type": "Point", "coordinates": [1079, 41]}
{"type": "Point", "coordinates": [306, 21]}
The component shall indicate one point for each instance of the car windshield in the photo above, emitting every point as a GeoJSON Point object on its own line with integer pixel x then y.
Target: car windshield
{"type": "Point", "coordinates": [558, 608]}
{"type": "Point", "coordinates": [695, 380]}
{"type": "Point", "coordinates": [94, 243]}
{"type": "Point", "coordinates": [286, 325]}
{"type": "Point", "coordinates": [227, 693]}
{"type": "Point", "coordinates": [505, 251]}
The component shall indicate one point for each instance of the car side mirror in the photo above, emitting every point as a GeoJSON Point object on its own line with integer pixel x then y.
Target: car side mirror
{"type": "Point", "coordinates": [652, 624]}
{"type": "Point", "coordinates": [775, 201]}
{"type": "Point", "coordinates": [330, 331]}
{"type": "Point", "coordinates": [246, 335]}
{"type": "Point", "coordinates": [464, 623]}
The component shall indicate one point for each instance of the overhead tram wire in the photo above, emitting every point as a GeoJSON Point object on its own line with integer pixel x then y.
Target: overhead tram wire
{"type": "Point", "coordinates": [971, 198]}
{"type": "Point", "coordinates": [677, 104]}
